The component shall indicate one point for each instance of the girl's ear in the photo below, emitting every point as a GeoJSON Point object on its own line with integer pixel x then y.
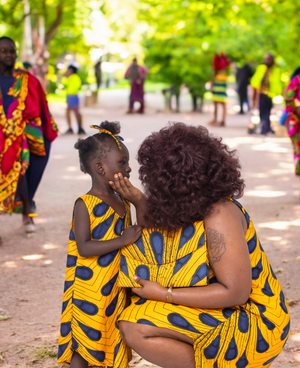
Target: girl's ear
{"type": "Point", "coordinates": [99, 168]}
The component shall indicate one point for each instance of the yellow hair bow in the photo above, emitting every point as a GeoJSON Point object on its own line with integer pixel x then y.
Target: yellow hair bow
{"type": "Point", "coordinates": [117, 138]}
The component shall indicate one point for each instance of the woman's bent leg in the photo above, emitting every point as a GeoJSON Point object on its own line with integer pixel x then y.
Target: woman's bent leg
{"type": "Point", "coordinates": [160, 346]}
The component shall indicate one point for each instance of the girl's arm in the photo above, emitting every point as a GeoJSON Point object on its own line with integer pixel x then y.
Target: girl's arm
{"type": "Point", "coordinates": [229, 258]}
{"type": "Point", "coordinates": [90, 248]}
{"type": "Point", "coordinates": [123, 186]}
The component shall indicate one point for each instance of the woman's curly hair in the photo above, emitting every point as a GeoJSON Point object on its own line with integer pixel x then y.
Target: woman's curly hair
{"type": "Point", "coordinates": [185, 171]}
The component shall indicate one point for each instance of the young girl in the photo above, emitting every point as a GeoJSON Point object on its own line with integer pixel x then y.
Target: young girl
{"type": "Point", "coordinates": [92, 301]}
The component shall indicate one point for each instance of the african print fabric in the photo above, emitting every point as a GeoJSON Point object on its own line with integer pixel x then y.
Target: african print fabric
{"type": "Point", "coordinates": [293, 121]}
{"type": "Point", "coordinates": [92, 300]}
{"type": "Point", "coordinates": [219, 87]}
{"type": "Point", "coordinates": [22, 129]}
{"type": "Point", "coordinates": [251, 335]}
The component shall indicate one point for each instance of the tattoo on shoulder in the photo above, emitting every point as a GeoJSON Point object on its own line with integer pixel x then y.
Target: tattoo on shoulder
{"type": "Point", "coordinates": [216, 245]}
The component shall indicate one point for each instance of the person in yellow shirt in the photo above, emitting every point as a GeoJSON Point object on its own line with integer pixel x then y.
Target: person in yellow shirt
{"type": "Point", "coordinates": [266, 84]}
{"type": "Point", "coordinates": [72, 83]}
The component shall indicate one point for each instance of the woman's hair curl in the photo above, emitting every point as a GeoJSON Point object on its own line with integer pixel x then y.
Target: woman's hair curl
{"type": "Point", "coordinates": [94, 146]}
{"type": "Point", "coordinates": [185, 171]}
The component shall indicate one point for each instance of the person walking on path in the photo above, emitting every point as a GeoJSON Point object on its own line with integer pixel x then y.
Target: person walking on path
{"type": "Point", "coordinates": [92, 301]}
{"type": "Point", "coordinates": [266, 84]}
{"type": "Point", "coordinates": [72, 83]}
{"type": "Point", "coordinates": [193, 305]}
{"type": "Point", "coordinates": [219, 86]}
{"type": "Point", "coordinates": [243, 76]}
{"type": "Point", "coordinates": [136, 74]}
{"type": "Point", "coordinates": [292, 111]}
{"type": "Point", "coordinates": [26, 132]}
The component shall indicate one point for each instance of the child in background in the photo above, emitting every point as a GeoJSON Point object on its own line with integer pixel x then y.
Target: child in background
{"type": "Point", "coordinates": [92, 301]}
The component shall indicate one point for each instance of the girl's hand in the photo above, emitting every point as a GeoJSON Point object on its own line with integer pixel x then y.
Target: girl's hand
{"type": "Point", "coordinates": [150, 290]}
{"type": "Point", "coordinates": [124, 187]}
{"type": "Point", "coordinates": [131, 234]}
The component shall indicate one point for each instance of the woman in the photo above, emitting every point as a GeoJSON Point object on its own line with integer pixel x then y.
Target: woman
{"type": "Point", "coordinates": [239, 317]}
{"type": "Point", "coordinates": [293, 116]}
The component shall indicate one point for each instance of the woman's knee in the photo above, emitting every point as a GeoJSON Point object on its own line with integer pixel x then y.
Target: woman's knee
{"type": "Point", "coordinates": [128, 332]}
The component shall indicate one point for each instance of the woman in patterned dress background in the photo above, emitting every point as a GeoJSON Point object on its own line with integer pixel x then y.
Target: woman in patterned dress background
{"type": "Point", "coordinates": [238, 317]}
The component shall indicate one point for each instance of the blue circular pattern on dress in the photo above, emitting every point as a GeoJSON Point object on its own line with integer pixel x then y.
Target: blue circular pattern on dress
{"type": "Point", "coordinates": [201, 241]}
{"type": "Point", "coordinates": [61, 349]}
{"type": "Point", "coordinates": [64, 306]}
{"type": "Point", "coordinates": [285, 331]}
{"type": "Point", "coordinates": [227, 312]}
{"type": "Point", "coordinates": [65, 329]}
{"type": "Point", "coordinates": [261, 345]}
{"type": "Point", "coordinates": [213, 280]}
{"type": "Point", "coordinates": [98, 355]}
{"type": "Point", "coordinates": [267, 289]}
{"type": "Point", "coordinates": [112, 306]}
{"type": "Point", "coordinates": [100, 209]}
{"type": "Point", "coordinates": [116, 350]}
{"type": "Point", "coordinates": [252, 243]}
{"type": "Point", "coordinates": [144, 321]}
{"type": "Point", "coordinates": [123, 265]}
{"type": "Point", "coordinates": [211, 351]}
{"type": "Point", "coordinates": [106, 259]}
{"type": "Point", "coordinates": [71, 235]}
{"type": "Point", "coordinates": [74, 344]}
{"type": "Point", "coordinates": [86, 307]}
{"type": "Point", "coordinates": [178, 321]}
{"type": "Point", "coordinates": [90, 332]}
{"type": "Point", "coordinates": [140, 244]}
{"type": "Point", "coordinates": [243, 324]}
{"type": "Point", "coordinates": [270, 325]}
{"type": "Point", "coordinates": [100, 230]}
{"type": "Point", "coordinates": [84, 273]}
{"type": "Point", "coordinates": [282, 303]}
{"type": "Point", "coordinates": [200, 274]}
{"type": "Point", "coordinates": [157, 243]}
{"type": "Point", "coordinates": [243, 361]}
{"type": "Point", "coordinates": [71, 261]}
{"type": "Point", "coordinates": [181, 262]}
{"type": "Point", "coordinates": [140, 301]}
{"type": "Point", "coordinates": [68, 284]}
{"type": "Point", "coordinates": [209, 320]}
{"type": "Point", "coordinates": [119, 226]}
{"type": "Point", "coordinates": [107, 288]}
{"type": "Point", "coordinates": [273, 273]}
{"type": "Point", "coordinates": [143, 272]}
{"type": "Point", "coordinates": [186, 234]}
{"type": "Point", "coordinates": [232, 350]}
{"type": "Point", "coordinates": [256, 271]}
{"type": "Point", "coordinates": [270, 360]}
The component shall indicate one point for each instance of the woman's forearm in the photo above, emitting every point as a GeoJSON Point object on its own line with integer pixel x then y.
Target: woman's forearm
{"type": "Point", "coordinates": [213, 296]}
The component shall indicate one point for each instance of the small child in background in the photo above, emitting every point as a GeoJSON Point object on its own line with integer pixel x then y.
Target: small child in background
{"type": "Point", "coordinates": [92, 300]}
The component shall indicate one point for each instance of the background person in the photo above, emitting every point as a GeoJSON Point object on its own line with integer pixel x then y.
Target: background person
{"type": "Point", "coordinates": [72, 82]}
{"type": "Point", "coordinates": [237, 315]}
{"type": "Point", "coordinates": [136, 75]}
{"type": "Point", "coordinates": [26, 132]}
{"type": "Point", "coordinates": [243, 76]}
{"type": "Point", "coordinates": [266, 84]}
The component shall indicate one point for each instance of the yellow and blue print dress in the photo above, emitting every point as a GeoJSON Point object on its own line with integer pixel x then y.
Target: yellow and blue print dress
{"type": "Point", "coordinates": [251, 335]}
{"type": "Point", "coordinates": [92, 300]}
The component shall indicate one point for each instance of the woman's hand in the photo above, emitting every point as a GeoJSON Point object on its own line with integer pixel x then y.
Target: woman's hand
{"type": "Point", "coordinates": [124, 187]}
{"type": "Point", "coordinates": [150, 290]}
{"type": "Point", "coordinates": [131, 234]}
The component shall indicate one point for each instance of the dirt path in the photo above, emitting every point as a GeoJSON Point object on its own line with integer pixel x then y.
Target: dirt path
{"type": "Point", "coordinates": [33, 267]}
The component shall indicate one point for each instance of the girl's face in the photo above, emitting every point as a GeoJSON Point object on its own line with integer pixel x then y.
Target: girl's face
{"type": "Point", "coordinates": [116, 162]}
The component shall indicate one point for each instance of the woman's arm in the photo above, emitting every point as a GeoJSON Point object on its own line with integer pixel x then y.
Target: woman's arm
{"type": "Point", "coordinates": [132, 194]}
{"type": "Point", "coordinates": [89, 248]}
{"type": "Point", "coordinates": [229, 258]}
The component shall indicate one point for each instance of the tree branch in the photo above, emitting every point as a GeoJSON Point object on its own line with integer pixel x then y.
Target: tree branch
{"type": "Point", "coordinates": [51, 31]}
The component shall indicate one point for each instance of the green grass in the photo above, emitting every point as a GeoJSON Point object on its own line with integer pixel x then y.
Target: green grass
{"type": "Point", "coordinates": [43, 352]}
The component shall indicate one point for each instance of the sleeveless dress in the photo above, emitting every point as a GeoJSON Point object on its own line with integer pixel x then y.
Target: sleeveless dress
{"type": "Point", "coordinates": [251, 335]}
{"type": "Point", "coordinates": [92, 300]}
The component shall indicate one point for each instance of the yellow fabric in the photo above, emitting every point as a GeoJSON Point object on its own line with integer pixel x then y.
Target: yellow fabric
{"type": "Point", "coordinates": [275, 87]}
{"type": "Point", "coordinates": [72, 84]}
{"type": "Point", "coordinates": [92, 300]}
{"type": "Point", "coordinates": [150, 258]}
{"type": "Point", "coordinates": [251, 335]}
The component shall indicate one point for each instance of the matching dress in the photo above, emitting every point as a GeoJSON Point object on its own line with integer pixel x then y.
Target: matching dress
{"type": "Point", "coordinates": [251, 335]}
{"type": "Point", "coordinates": [92, 300]}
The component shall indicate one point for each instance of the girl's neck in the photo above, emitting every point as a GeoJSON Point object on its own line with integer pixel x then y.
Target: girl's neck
{"type": "Point", "coordinates": [100, 189]}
